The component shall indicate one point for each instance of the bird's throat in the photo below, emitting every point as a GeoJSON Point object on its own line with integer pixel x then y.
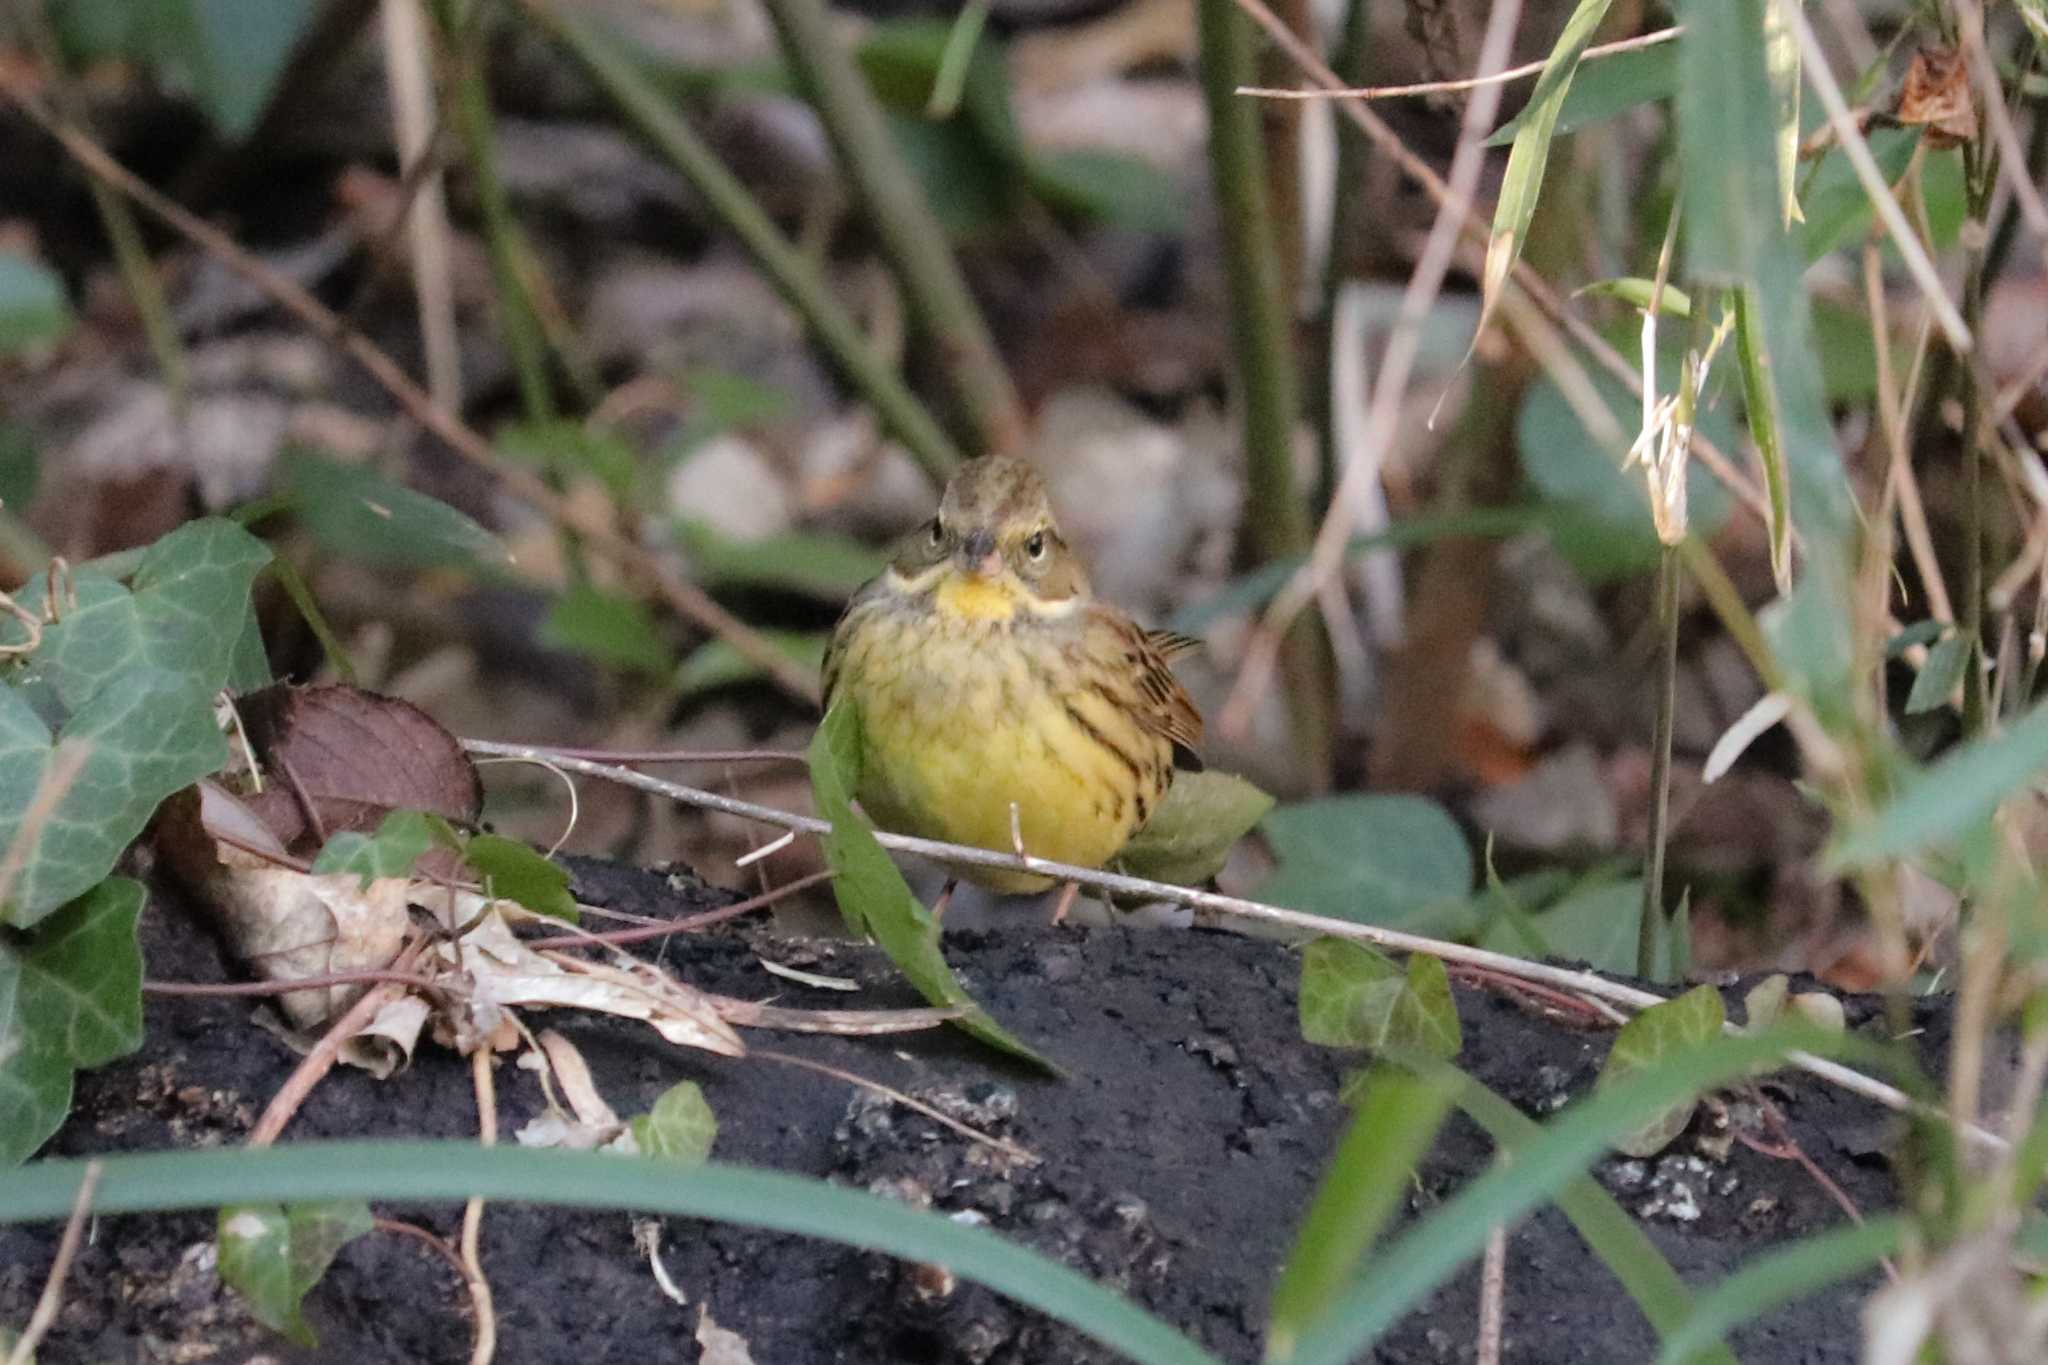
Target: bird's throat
{"type": "Point", "coordinates": [969, 598]}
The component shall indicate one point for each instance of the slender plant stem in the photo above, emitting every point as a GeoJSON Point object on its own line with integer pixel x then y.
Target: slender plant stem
{"type": "Point", "coordinates": [1980, 177]}
{"type": "Point", "coordinates": [910, 234]}
{"type": "Point", "coordinates": [138, 272]}
{"type": "Point", "coordinates": [792, 274]}
{"type": "Point", "coordinates": [1352, 153]}
{"type": "Point", "coordinates": [1660, 762]}
{"type": "Point", "coordinates": [518, 322]}
{"type": "Point", "coordinates": [1276, 520]}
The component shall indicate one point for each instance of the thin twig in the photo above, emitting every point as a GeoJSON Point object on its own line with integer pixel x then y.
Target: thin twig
{"type": "Point", "coordinates": [51, 1299]}
{"type": "Point", "coordinates": [636, 757]}
{"type": "Point", "coordinates": [424, 984]}
{"type": "Point", "coordinates": [425, 215]}
{"type": "Point", "coordinates": [686, 598]}
{"type": "Point", "coordinates": [1565, 978]}
{"type": "Point", "coordinates": [1815, 63]}
{"type": "Point", "coordinates": [2012, 155]}
{"type": "Point", "coordinates": [1333, 538]}
{"type": "Point", "coordinates": [689, 924]}
{"type": "Point", "coordinates": [1493, 1284]}
{"type": "Point", "coordinates": [473, 1212]}
{"type": "Point", "coordinates": [320, 1060]}
{"type": "Point", "coordinates": [1507, 77]}
{"type": "Point", "coordinates": [1003, 1145]}
{"type": "Point", "coordinates": [478, 1289]}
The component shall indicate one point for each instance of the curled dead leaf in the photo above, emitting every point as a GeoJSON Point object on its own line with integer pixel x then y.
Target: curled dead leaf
{"type": "Point", "coordinates": [1936, 96]}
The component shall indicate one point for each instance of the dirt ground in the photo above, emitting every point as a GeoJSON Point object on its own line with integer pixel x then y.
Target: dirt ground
{"type": "Point", "coordinates": [1178, 1155]}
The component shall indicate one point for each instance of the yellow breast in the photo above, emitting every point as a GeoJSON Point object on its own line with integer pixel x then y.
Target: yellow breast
{"type": "Point", "coordinates": [962, 716]}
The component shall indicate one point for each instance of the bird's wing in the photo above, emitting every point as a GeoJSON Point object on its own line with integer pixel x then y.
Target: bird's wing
{"type": "Point", "coordinates": [1161, 704]}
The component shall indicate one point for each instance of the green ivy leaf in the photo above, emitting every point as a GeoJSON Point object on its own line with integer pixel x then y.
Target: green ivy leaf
{"type": "Point", "coordinates": [183, 613]}
{"type": "Point", "coordinates": [1394, 861]}
{"type": "Point", "coordinates": [1596, 923]}
{"type": "Point", "coordinates": [33, 310]}
{"type": "Point", "coordinates": [1189, 836]}
{"type": "Point", "coordinates": [70, 998]}
{"type": "Point", "coordinates": [574, 450]}
{"type": "Point", "coordinates": [358, 514]}
{"type": "Point", "coordinates": [273, 1254]}
{"type": "Point", "coordinates": [143, 736]}
{"type": "Point", "coordinates": [1352, 996]}
{"type": "Point", "coordinates": [1686, 1022]}
{"type": "Point", "coordinates": [873, 897]}
{"type": "Point", "coordinates": [400, 839]}
{"type": "Point", "coordinates": [512, 871]}
{"type": "Point", "coordinates": [680, 1127]}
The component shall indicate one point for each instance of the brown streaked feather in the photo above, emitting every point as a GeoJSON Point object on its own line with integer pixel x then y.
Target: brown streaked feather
{"type": "Point", "coordinates": [1158, 702]}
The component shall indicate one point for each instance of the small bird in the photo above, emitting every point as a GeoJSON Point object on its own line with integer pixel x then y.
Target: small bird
{"type": "Point", "coordinates": [986, 674]}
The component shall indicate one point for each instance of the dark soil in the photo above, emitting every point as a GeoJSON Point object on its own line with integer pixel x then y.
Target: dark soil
{"type": "Point", "coordinates": [1179, 1153]}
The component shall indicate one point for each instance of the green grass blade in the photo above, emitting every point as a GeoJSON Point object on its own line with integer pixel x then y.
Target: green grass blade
{"type": "Point", "coordinates": [1760, 406]}
{"type": "Point", "coordinates": [1360, 1191]}
{"type": "Point", "coordinates": [1523, 181]}
{"type": "Point", "coordinates": [1615, 1237]}
{"type": "Point", "coordinates": [1778, 1277]}
{"type": "Point", "coordinates": [420, 1171]}
{"type": "Point", "coordinates": [1940, 804]}
{"type": "Point", "coordinates": [1429, 1253]}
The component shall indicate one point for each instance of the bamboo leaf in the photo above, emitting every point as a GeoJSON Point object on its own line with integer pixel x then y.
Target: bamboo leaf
{"type": "Point", "coordinates": [1780, 1276]}
{"type": "Point", "coordinates": [1940, 676]}
{"type": "Point", "coordinates": [1945, 801]}
{"type": "Point", "coordinates": [1760, 406]}
{"type": "Point", "coordinates": [1523, 182]}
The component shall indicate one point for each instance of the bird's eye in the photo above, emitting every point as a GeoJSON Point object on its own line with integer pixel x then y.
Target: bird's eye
{"type": "Point", "coordinates": [1035, 547]}
{"type": "Point", "coordinates": [938, 532]}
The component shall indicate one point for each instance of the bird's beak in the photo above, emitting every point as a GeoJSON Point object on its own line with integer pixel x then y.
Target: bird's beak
{"type": "Point", "coordinates": [978, 555]}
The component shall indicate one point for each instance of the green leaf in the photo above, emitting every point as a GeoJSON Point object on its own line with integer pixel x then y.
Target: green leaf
{"type": "Point", "coordinates": [1835, 204]}
{"type": "Point", "coordinates": [229, 52]}
{"type": "Point", "coordinates": [420, 1172]}
{"type": "Point", "coordinates": [33, 311]}
{"type": "Point", "coordinates": [391, 852]}
{"type": "Point", "coordinates": [607, 628]}
{"type": "Point", "coordinates": [873, 897]}
{"type": "Point", "coordinates": [184, 613]}
{"type": "Point", "coordinates": [1781, 67]}
{"type": "Point", "coordinates": [1686, 1022]}
{"type": "Point", "coordinates": [1523, 181]}
{"type": "Point", "coordinates": [273, 1254]}
{"type": "Point", "coordinates": [1779, 1276]}
{"type": "Point", "coordinates": [1352, 996]}
{"type": "Point", "coordinates": [715, 663]}
{"type": "Point", "coordinates": [1111, 187]}
{"type": "Point", "coordinates": [70, 998]}
{"type": "Point", "coordinates": [1728, 142]}
{"type": "Point", "coordinates": [680, 1127]}
{"type": "Point", "coordinates": [358, 514]}
{"type": "Point", "coordinates": [1427, 1253]}
{"type": "Point", "coordinates": [1764, 1002]}
{"type": "Point", "coordinates": [1636, 292]}
{"type": "Point", "coordinates": [574, 451]}
{"type": "Point", "coordinates": [815, 563]}
{"type": "Point", "coordinates": [722, 401]}
{"type": "Point", "coordinates": [144, 736]}
{"type": "Point", "coordinates": [1607, 87]}
{"type": "Point", "coordinates": [1945, 801]}
{"type": "Point", "coordinates": [1191, 834]}
{"type": "Point", "coordinates": [1394, 861]}
{"type": "Point", "coordinates": [514, 872]}
{"type": "Point", "coordinates": [20, 470]}
{"type": "Point", "coordinates": [1810, 639]}
{"type": "Point", "coordinates": [1940, 676]}
{"type": "Point", "coordinates": [1760, 406]}
{"type": "Point", "coordinates": [1596, 923]}
{"type": "Point", "coordinates": [1364, 1185]}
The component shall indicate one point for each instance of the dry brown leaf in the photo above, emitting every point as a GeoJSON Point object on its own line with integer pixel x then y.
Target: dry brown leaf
{"type": "Point", "coordinates": [719, 1346]}
{"type": "Point", "coordinates": [1936, 95]}
{"type": "Point", "coordinates": [339, 758]}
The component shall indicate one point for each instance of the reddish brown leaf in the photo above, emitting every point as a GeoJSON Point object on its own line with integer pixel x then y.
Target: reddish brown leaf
{"type": "Point", "coordinates": [338, 758]}
{"type": "Point", "coordinates": [1937, 96]}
